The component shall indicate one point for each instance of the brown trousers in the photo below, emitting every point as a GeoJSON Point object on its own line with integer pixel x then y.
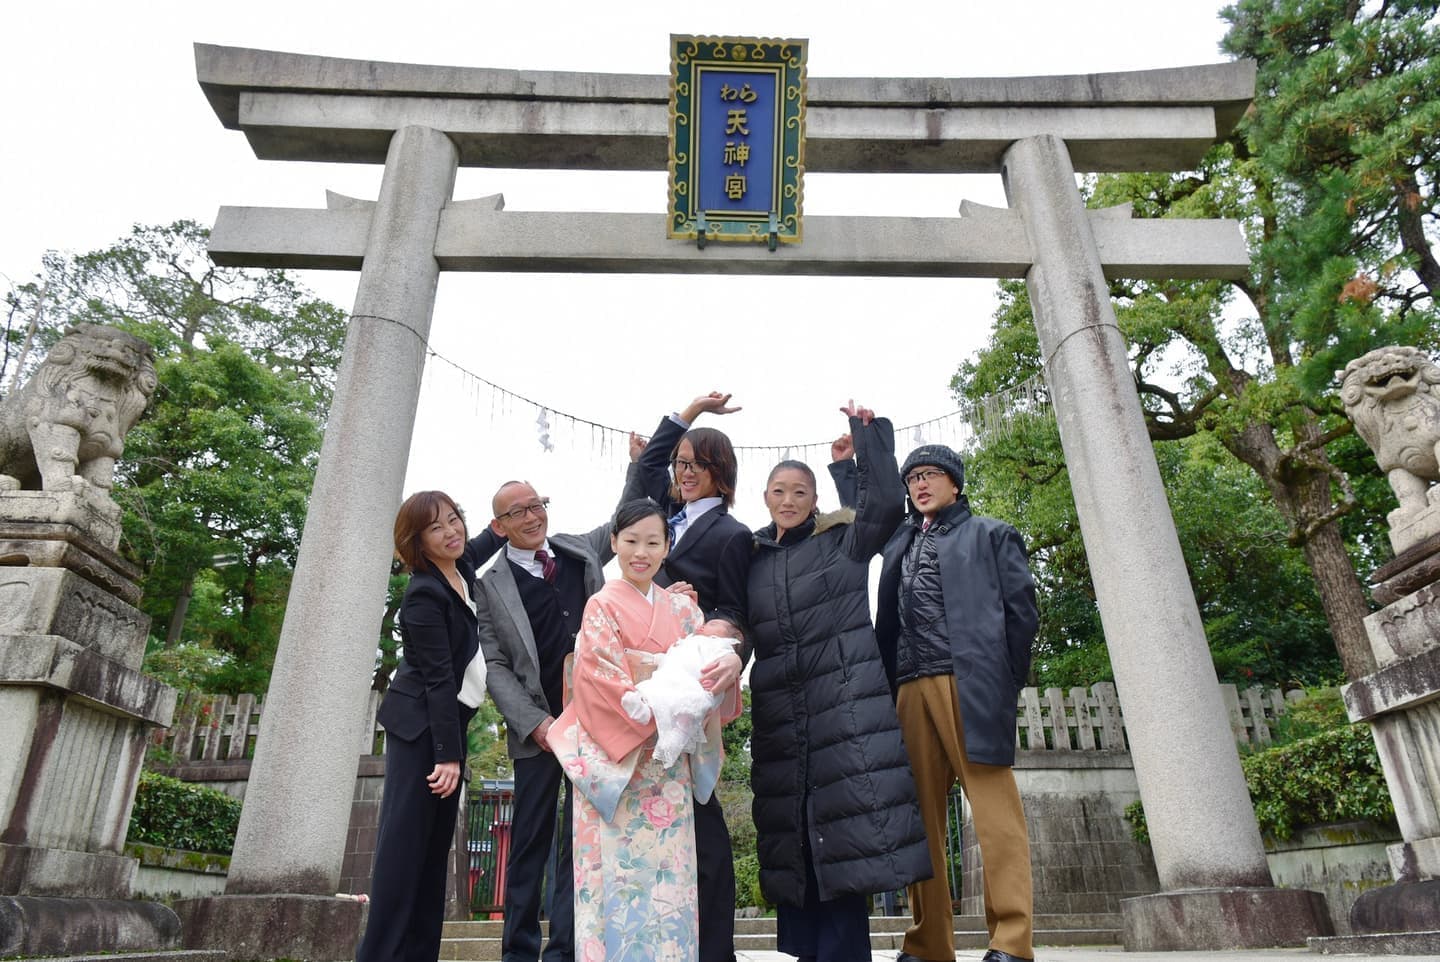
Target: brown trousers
{"type": "Point", "coordinates": [929, 710]}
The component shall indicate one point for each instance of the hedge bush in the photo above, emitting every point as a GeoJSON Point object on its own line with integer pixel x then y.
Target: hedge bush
{"type": "Point", "coordinates": [1330, 777]}
{"type": "Point", "coordinates": [747, 883]}
{"type": "Point", "coordinates": [175, 814]}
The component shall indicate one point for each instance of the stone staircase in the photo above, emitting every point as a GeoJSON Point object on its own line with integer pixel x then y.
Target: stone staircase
{"type": "Point", "coordinates": [480, 941]}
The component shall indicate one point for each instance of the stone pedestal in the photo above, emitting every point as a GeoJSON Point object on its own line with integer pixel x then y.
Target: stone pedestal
{"type": "Point", "coordinates": [1412, 530]}
{"type": "Point", "coordinates": [314, 927]}
{"type": "Point", "coordinates": [1223, 919]}
{"type": "Point", "coordinates": [33, 926]}
{"type": "Point", "coordinates": [1401, 701]}
{"type": "Point", "coordinates": [76, 711]}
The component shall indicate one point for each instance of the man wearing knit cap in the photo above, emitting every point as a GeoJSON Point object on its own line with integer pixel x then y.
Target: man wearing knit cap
{"type": "Point", "coordinates": [955, 623]}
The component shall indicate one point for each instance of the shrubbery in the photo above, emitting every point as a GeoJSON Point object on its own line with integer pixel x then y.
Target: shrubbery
{"type": "Point", "coordinates": [1323, 773]}
{"type": "Point", "coordinates": [1331, 777]}
{"type": "Point", "coordinates": [175, 814]}
{"type": "Point", "coordinates": [747, 882]}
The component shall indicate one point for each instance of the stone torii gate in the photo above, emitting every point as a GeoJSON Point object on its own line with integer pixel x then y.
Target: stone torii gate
{"type": "Point", "coordinates": [422, 122]}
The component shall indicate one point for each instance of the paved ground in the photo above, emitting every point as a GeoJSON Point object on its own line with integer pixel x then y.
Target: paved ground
{"type": "Point", "coordinates": [1116, 954]}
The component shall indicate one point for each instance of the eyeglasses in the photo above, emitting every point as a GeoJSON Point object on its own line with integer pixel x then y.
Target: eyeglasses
{"type": "Point", "coordinates": [915, 477]}
{"type": "Point", "coordinates": [519, 513]}
{"type": "Point", "coordinates": [681, 466]}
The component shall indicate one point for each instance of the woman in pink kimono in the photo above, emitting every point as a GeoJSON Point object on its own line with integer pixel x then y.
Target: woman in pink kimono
{"type": "Point", "coordinates": [634, 848]}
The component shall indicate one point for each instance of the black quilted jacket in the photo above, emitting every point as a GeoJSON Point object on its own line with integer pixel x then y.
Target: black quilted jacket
{"type": "Point", "coordinates": [830, 773]}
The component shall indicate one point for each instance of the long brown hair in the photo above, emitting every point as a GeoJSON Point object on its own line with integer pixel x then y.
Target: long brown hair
{"type": "Point", "coordinates": [414, 516]}
{"type": "Point", "coordinates": [714, 448]}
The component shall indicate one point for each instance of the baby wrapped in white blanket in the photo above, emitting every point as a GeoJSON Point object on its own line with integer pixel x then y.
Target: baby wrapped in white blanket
{"type": "Point", "coordinates": [674, 695]}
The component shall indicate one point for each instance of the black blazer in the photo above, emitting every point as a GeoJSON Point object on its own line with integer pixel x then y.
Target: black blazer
{"type": "Point", "coordinates": [714, 553]}
{"type": "Point", "coordinates": [438, 631]}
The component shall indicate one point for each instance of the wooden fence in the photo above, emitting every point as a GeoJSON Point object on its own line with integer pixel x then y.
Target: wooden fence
{"type": "Point", "coordinates": [225, 727]}
{"type": "Point", "coordinates": [217, 728]}
{"type": "Point", "coordinates": [1090, 719]}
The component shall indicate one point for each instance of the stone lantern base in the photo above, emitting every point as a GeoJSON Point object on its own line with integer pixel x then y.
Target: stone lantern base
{"type": "Point", "coordinates": [1401, 701]}
{"type": "Point", "coordinates": [77, 713]}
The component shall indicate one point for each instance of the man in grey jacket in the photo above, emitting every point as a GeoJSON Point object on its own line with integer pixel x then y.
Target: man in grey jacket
{"type": "Point", "coordinates": [955, 621]}
{"type": "Point", "coordinates": [529, 606]}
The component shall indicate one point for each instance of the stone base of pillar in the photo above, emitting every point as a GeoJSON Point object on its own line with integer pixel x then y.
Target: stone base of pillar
{"type": "Point", "coordinates": [1402, 907]}
{"type": "Point", "coordinates": [1223, 918]}
{"type": "Point", "coordinates": [318, 928]}
{"type": "Point", "coordinates": [30, 870]}
{"type": "Point", "coordinates": [32, 925]}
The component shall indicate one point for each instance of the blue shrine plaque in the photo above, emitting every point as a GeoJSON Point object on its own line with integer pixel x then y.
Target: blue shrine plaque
{"type": "Point", "coordinates": [737, 139]}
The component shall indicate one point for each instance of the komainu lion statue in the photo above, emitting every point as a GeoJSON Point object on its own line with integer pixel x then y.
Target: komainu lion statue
{"type": "Point", "coordinates": [1393, 397]}
{"type": "Point", "coordinates": [64, 428]}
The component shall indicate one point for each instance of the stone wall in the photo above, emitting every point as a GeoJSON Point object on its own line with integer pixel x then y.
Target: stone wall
{"type": "Point", "coordinates": [364, 826]}
{"type": "Point", "coordinates": [1340, 861]}
{"type": "Point", "coordinates": [167, 873]}
{"type": "Point", "coordinates": [1076, 778]}
{"type": "Point", "coordinates": [1082, 857]}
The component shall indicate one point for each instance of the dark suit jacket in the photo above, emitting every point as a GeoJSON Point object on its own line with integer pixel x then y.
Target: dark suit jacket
{"type": "Point", "coordinates": [511, 659]}
{"type": "Point", "coordinates": [714, 553]}
{"type": "Point", "coordinates": [438, 632]}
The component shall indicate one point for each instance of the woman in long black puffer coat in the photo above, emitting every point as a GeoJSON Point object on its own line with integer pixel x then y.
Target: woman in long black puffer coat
{"type": "Point", "coordinates": [835, 808]}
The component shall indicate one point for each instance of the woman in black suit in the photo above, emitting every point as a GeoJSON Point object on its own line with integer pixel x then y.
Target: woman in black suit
{"type": "Point", "coordinates": [691, 472]}
{"type": "Point", "coordinates": [426, 710]}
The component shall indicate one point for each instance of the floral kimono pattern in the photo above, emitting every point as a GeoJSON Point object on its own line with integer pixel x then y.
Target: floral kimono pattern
{"type": "Point", "coordinates": [634, 846]}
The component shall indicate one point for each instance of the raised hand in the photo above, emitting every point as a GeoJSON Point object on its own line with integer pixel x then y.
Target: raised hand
{"type": "Point", "coordinates": [853, 410]}
{"type": "Point", "coordinates": [712, 403]}
{"type": "Point", "coordinates": [637, 445]}
{"type": "Point", "coordinates": [842, 448]}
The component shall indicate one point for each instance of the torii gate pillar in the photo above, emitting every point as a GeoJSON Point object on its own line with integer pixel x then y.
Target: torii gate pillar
{"type": "Point", "coordinates": [1216, 885]}
{"type": "Point", "coordinates": [297, 805]}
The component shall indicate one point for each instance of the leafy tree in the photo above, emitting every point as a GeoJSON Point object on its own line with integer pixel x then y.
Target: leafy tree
{"type": "Point", "coordinates": [387, 651]}
{"type": "Point", "coordinates": [1257, 601]}
{"type": "Point", "coordinates": [485, 743]}
{"type": "Point", "coordinates": [1348, 121]}
{"type": "Point", "coordinates": [216, 477]}
{"type": "Point", "coordinates": [1330, 174]}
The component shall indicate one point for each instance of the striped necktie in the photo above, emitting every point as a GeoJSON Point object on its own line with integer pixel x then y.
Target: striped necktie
{"type": "Point", "coordinates": [676, 524]}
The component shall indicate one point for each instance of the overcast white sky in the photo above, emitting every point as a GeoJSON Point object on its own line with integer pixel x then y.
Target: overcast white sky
{"type": "Point", "coordinates": [106, 127]}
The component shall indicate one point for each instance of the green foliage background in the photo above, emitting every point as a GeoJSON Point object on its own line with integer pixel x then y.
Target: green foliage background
{"type": "Point", "coordinates": [175, 814]}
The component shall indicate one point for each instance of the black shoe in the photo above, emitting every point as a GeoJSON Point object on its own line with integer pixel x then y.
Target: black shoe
{"type": "Point", "coordinates": [995, 955]}
{"type": "Point", "coordinates": [907, 957]}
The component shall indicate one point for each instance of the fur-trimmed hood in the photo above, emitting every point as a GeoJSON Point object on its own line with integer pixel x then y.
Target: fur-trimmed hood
{"type": "Point", "coordinates": [833, 519]}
